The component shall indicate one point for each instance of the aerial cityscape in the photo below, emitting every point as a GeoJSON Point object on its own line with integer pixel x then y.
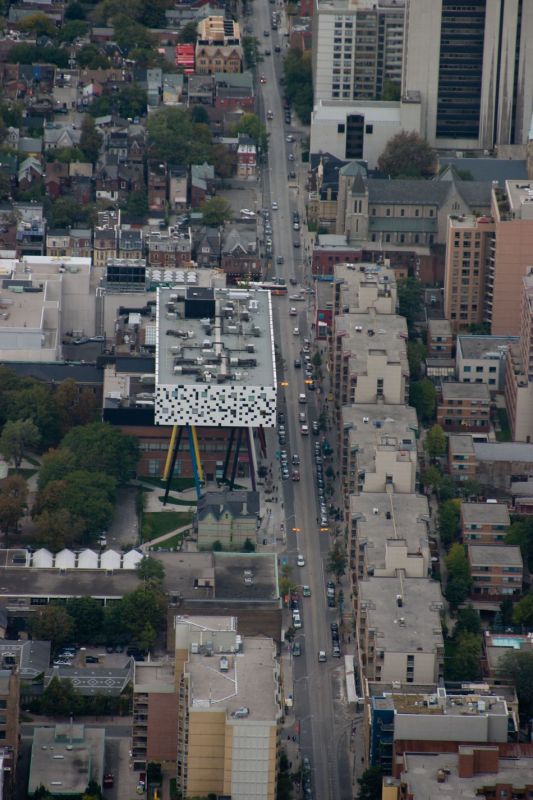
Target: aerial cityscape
{"type": "Point", "coordinates": [266, 399]}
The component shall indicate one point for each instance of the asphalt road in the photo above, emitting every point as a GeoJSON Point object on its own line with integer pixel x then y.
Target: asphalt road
{"type": "Point", "coordinates": [317, 686]}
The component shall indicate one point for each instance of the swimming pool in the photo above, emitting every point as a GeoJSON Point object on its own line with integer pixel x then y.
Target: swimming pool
{"type": "Point", "coordinates": [507, 641]}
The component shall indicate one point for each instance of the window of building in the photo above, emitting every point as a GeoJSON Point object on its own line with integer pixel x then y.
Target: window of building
{"type": "Point", "coordinates": [369, 129]}
{"type": "Point", "coordinates": [341, 127]}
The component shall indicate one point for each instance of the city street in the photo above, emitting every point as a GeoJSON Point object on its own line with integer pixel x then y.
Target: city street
{"type": "Point", "coordinates": [318, 687]}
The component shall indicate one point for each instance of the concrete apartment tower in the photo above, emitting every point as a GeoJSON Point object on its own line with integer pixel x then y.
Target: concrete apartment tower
{"type": "Point", "coordinates": [357, 48]}
{"type": "Point", "coordinates": [472, 62]}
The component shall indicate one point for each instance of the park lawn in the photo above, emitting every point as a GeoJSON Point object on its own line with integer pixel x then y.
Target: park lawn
{"type": "Point", "coordinates": [174, 542]}
{"type": "Point", "coordinates": [157, 523]}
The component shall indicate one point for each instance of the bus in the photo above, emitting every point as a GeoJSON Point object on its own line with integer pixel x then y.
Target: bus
{"type": "Point", "coordinates": [274, 287]}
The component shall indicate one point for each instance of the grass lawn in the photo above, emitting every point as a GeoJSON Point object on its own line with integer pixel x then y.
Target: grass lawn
{"type": "Point", "coordinates": [173, 541]}
{"type": "Point", "coordinates": [157, 523]}
{"type": "Point", "coordinates": [26, 472]}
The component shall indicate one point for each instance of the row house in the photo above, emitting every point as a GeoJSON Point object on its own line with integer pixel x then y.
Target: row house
{"type": "Point", "coordinates": [246, 159]}
{"type": "Point", "coordinates": [202, 183]}
{"type": "Point", "coordinates": [104, 245]}
{"type": "Point", "coordinates": [130, 243]}
{"type": "Point", "coordinates": [234, 91]}
{"type": "Point", "coordinates": [239, 257]}
{"type": "Point", "coordinates": [116, 182]}
{"type": "Point", "coordinates": [206, 247]}
{"type": "Point", "coordinates": [157, 186]}
{"type": "Point", "coordinates": [170, 249]}
{"type": "Point", "coordinates": [178, 187]}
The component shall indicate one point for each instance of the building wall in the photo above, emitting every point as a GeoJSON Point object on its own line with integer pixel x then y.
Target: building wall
{"type": "Point", "coordinates": [467, 253]}
{"type": "Point", "coordinates": [463, 416]}
{"type": "Point", "coordinates": [162, 727]}
{"type": "Point", "coordinates": [250, 744]}
{"type": "Point", "coordinates": [512, 257]}
{"type": "Point", "coordinates": [206, 754]}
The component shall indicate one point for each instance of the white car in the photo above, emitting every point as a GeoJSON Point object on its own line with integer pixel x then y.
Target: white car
{"type": "Point", "coordinates": [296, 331]}
{"type": "Point", "coordinates": [246, 212]}
{"type": "Point", "coordinates": [274, 206]}
{"type": "Point", "coordinates": [300, 560]}
{"type": "Point", "coordinates": [302, 398]}
{"type": "Point", "coordinates": [293, 312]}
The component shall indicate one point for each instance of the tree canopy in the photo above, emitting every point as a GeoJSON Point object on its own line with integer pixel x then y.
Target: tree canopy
{"type": "Point", "coordinates": [408, 155]}
{"type": "Point", "coordinates": [337, 559]}
{"type": "Point", "coordinates": [216, 211]}
{"type": "Point", "coordinates": [13, 497]}
{"type": "Point", "coordinates": [410, 299]}
{"type": "Point", "coordinates": [459, 582]}
{"type": "Point", "coordinates": [173, 137]}
{"type": "Point", "coordinates": [298, 80]}
{"type": "Point", "coordinates": [17, 436]}
{"type": "Point", "coordinates": [423, 397]}
{"type": "Point", "coordinates": [518, 666]}
{"type": "Point", "coordinates": [101, 447]}
{"type": "Point", "coordinates": [435, 442]}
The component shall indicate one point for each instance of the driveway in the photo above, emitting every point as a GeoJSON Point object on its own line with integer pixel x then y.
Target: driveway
{"type": "Point", "coordinates": [124, 529]}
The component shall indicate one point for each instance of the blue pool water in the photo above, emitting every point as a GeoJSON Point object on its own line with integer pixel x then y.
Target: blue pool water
{"type": "Point", "coordinates": [506, 641]}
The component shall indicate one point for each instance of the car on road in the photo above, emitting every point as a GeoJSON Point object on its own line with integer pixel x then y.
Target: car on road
{"type": "Point", "coordinates": [297, 363]}
{"type": "Point", "coordinates": [296, 331]}
{"type": "Point", "coordinates": [300, 560]}
{"type": "Point", "coordinates": [277, 47]}
{"type": "Point", "coordinates": [334, 627]}
{"type": "Point", "coordinates": [266, 33]}
{"type": "Point", "coordinates": [296, 244]}
{"type": "Point", "coordinates": [290, 138]}
{"type": "Point", "coordinates": [336, 651]}
{"type": "Point", "coordinates": [297, 649]}
{"type": "Point", "coordinates": [295, 459]}
{"type": "Point", "coordinates": [302, 398]}
{"type": "Point", "coordinates": [293, 312]}
{"type": "Point", "coordinates": [274, 206]}
{"type": "Point", "coordinates": [247, 212]}
{"type": "Point", "coordinates": [297, 621]}
{"type": "Point", "coordinates": [280, 260]}
{"type": "Point", "coordinates": [322, 655]}
{"type": "Point", "coordinates": [268, 52]}
{"type": "Point", "coordinates": [331, 589]}
{"type": "Point", "coordinates": [302, 417]}
{"type": "Point", "coordinates": [109, 780]}
{"type": "Point", "coordinates": [292, 175]}
{"type": "Point", "coordinates": [285, 474]}
{"type": "Point", "coordinates": [262, 79]}
{"type": "Point", "coordinates": [295, 475]}
{"type": "Point", "coordinates": [306, 591]}
{"type": "Point", "coordinates": [293, 282]}
{"type": "Point", "coordinates": [304, 429]}
{"type": "Point", "coordinates": [315, 427]}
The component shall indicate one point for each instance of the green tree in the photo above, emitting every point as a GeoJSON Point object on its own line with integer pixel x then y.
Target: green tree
{"type": "Point", "coordinates": [91, 139]}
{"type": "Point", "coordinates": [131, 101]}
{"type": "Point", "coordinates": [523, 611]}
{"type": "Point", "coordinates": [101, 447]}
{"type": "Point", "coordinates": [31, 54]}
{"type": "Point", "coordinates": [171, 138]}
{"type": "Point", "coordinates": [188, 33]}
{"type": "Point", "coordinates": [465, 659]}
{"type": "Point", "coordinates": [17, 436]}
{"type": "Point", "coordinates": [150, 569]}
{"type": "Point", "coordinates": [56, 465]}
{"type": "Point", "coordinates": [87, 615]}
{"type": "Point", "coordinates": [250, 51]}
{"type": "Point", "coordinates": [52, 624]}
{"type": "Point", "coordinates": [90, 56]}
{"type": "Point", "coordinates": [75, 405]}
{"type": "Point", "coordinates": [74, 29]}
{"type": "Point", "coordinates": [468, 621]}
{"type": "Point", "coordinates": [216, 211]}
{"type": "Point", "coordinates": [409, 155]}
{"type": "Point", "coordinates": [199, 115]}
{"type": "Point", "coordinates": [35, 402]}
{"type": "Point", "coordinates": [459, 582]}
{"type": "Point", "coordinates": [422, 397]}
{"type": "Point", "coordinates": [520, 533]}
{"type": "Point", "coordinates": [88, 496]}
{"type": "Point", "coordinates": [337, 559]}
{"type": "Point", "coordinates": [435, 443]}
{"type": "Point", "coordinates": [131, 35]}
{"type": "Point", "coordinates": [298, 79]}
{"type": "Point", "coordinates": [431, 478]}
{"type": "Point", "coordinates": [248, 546]}
{"type": "Point", "coordinates": [13, 497]}
{"type": "Point", "coordinates": [39, 24]}
{"type": "Point", "coordinates": [370, 784]}
{"type": "Point", "coordinates": [126, 620]}
{"type": "Point", "coordinates": [449, 517]}
{"type": "Point", "coordinates": [410, 299]}
{"type": "Point", "coordinates": [59, 698]}
{"type": "Point", "coordinates": [391, 90]}
{"type": "Point", "coordinates": [251, 126]}
{"type": "Point", "coordinates": [518, 667]}
{"type": "Point", "coordinates": [447, 489]}
{"type": "Point", "coordinates": [137, 203]}
{"type": "Point", "coordinates": [74, 11]}
{"type": "Point", "coordinates": [416, 356]}
{"type": "Point", "coordinates": [100, 106]}
{"type": "Point", "coordinates": [58, 528]}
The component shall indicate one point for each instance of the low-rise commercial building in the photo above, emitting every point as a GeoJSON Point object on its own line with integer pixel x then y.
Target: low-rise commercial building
{"type": "Point", "coordinates": [66, 758]}
{"type": "Point", "coordinates": [473, 771]}
{"type": "Point", "coordinates": [499, 464]}
{"type": "Point", "coordinates": [484, 523]}
{"type": "Point", "coordinates": [430, 722]}
{"type": "Point", "coordinates": [399, 629]}
{"type": "Point", "coordinates": [482, 359]}
{"type": "Point", "coordinates": [496, 571]}
{"type": "Point", "coordinates": [464, 407]}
